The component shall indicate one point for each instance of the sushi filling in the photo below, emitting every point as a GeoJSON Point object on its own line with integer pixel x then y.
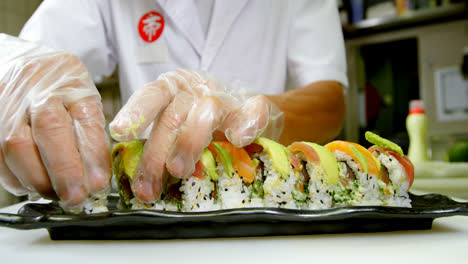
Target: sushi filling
{"type": "Point", "coordinates": [357, 187]}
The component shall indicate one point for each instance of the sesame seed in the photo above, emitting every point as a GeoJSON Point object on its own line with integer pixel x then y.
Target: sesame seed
{"type": "Point", "coordinates": [225, 189]}
{"type": "Point", "coordinates": [193, 183]}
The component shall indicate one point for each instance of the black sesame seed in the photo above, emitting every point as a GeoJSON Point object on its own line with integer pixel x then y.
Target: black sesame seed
{"type": "Point", "coordinates": [283, 203]}
{"type": "Point", "coordinates": [225, 189]}
{"type": "Point", "coordinates": [193, 183]}
{"type": "Point", "coordinates": [243, 201]}
{"type": "Point", "coordinates": [278, 196]}
{"type": "Point", "coordinates": [204, 198]}
{"type": "Point", "coordinates": [283, 192]}
{"type": "Point", "coordinates": [199, 188]}
{"type": "Point", "coordinates": [317, 191]}
{"type": "Point", "coordinates": [198, 205]}
{"type": "Point", "coordinates": [321, 201]}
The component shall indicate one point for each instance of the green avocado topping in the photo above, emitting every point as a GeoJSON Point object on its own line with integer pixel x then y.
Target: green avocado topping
{"type": "Point", "coordinates": [125, 159]}
{"type": "Point", "coordinates": [226, 159]}
{"type": "Point", "coordinates": [327, 161]}
{"type": "Point", "coordinates": [361, 158]}
{"type": "Point", "coordinates": [130, 156]}
{"type": "Point", "coordinates": [209, 163]}
{"type": "Point", "coordinates": [382, 142]}
{"type": "Point", "coordinates": [278, 155]}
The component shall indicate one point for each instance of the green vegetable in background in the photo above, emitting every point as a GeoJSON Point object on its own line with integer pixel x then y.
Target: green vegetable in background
{"type": "Point", "coordinates": [458, 152]}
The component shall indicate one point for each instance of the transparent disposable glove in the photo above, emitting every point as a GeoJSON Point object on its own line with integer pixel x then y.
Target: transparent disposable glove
{"type": "Point", "coordinates": [52, 138]}
{"type": "Point", "coordinates": [188, 110]}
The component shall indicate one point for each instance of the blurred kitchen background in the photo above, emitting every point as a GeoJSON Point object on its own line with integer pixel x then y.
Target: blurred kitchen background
{"type": "Point", "coordinates": [397, 51]}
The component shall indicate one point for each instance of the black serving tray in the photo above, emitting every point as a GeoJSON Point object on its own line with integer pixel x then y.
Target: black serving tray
{"type": "Point", "coordinates": [155, 224]}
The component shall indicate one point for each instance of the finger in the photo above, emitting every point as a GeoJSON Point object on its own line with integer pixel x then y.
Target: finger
{"type": "Point", "coordinates": [194, 136]}
{"type": "Point", "coordinates": [53, 133]}
{"type": "Point", "coordinates": [244, 124]}
{"type": "Point", "coordinates": [140, 110]}
{"type": "Point", "coordinates": [24, 161]}
{"type": "Point", "coordinates": [149, 179]}
{"type": "Point", "coordinates": [89, 125]}
{"type": "Point", "coordinates": [9, 181]}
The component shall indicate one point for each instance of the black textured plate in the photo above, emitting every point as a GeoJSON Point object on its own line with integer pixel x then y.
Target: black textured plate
{"type": "Point", "coordinates": [152, 224]}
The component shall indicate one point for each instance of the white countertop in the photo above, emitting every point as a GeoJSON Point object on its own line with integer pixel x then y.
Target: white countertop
{"type": "Point", "coordinates": [446, 242]}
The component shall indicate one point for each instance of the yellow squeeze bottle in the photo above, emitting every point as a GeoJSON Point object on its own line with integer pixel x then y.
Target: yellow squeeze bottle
{"type": "Point", "coordinates": [417, 125]}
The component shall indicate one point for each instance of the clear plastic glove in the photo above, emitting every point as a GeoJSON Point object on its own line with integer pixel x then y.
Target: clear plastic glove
{"type": "Point", "coordinates": [187, 110]}
{"type": "Point", "coordinates": [52, 138]}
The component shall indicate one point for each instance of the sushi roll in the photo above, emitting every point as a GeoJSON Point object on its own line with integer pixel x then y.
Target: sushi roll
{"type": "Point", "coordinates": [360, 181]}
{"type": "Point", "coordinates": [125, 159]}
{"type": "Point", "coordinates": [275, 179]}
{"type": "Point", "coordinates": [236, 174]}
{"type": "Point", "coordinates": [397, 170]}
{"type": "Point", "coordinates": [199, 191]}
{"type": "Point", "coordinates": [318, 175]}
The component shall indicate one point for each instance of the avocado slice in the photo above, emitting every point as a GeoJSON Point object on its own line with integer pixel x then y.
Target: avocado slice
{"type": "Point", "coordinates": [382, 142]}
{"type": "Point", "coordinates": [226, 159]}
{"type": "Point", "coordinates": [278, 155]}
{"type": "Point", "coordinates": [208, 161]}
{"type": "Point", "coordinates": [130, 153]}
{"type": "Point", "coordinates": [361, 158]}
{"type": "Point", "coordinates": [327, 161]}
{"type": "Point", "coordinates": [125, 159]}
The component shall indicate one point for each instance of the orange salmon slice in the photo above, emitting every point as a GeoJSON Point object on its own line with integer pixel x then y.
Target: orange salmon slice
{"type": "Point", "coordinates": [373, 164]}
{"type": "Point", "coordinates": [241, 161]}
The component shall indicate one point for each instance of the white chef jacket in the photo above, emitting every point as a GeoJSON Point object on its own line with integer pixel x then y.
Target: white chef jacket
{"type": "Point", "coordinates": [253, 44]}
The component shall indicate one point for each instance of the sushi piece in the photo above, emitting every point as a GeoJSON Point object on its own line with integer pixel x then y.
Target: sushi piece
{"type": "Point", "coordinates": [318, 175]}
{"type": "Point", "coordinates": [125, 159]}
{"type": "Point", "coordinates": [360, 181]}
{"type": "Point", "coordinates": [199, 191]}
{"type": "Point", "coordinates": [275, 180]}
{"type": "Point", "coordinates": [236, 174]}
{"type": "Point", "coordinates": [396, 169]}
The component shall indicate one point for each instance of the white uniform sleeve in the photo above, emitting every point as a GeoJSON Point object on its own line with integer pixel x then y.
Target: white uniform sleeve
{"type": "Point", "coordinates": [316, 45]}
{"type": "Point", "coordinates": [78, 27]}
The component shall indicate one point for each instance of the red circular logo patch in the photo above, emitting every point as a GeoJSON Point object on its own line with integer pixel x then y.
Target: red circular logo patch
{"type": "Point", "coordinates": [151, 26]}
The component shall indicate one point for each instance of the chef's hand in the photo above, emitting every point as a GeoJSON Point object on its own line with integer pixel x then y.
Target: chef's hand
{"type": "Point", "coordinates": [187, 110]}
{"type": "Point", "coordinates": [52, 133]}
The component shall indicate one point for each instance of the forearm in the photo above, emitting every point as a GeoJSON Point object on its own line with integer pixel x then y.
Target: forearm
{"type": "Point", "coordinates": [313, 113]}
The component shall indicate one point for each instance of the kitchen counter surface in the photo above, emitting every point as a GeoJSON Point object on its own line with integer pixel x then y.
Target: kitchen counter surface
{"type": "Point", "coordinates": [446, 242]}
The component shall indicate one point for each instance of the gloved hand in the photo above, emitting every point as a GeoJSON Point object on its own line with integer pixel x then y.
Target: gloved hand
{"type": "Point", "coordinates": [52, 138]}
{"type": "Point", "coordinates": [187, 109]}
